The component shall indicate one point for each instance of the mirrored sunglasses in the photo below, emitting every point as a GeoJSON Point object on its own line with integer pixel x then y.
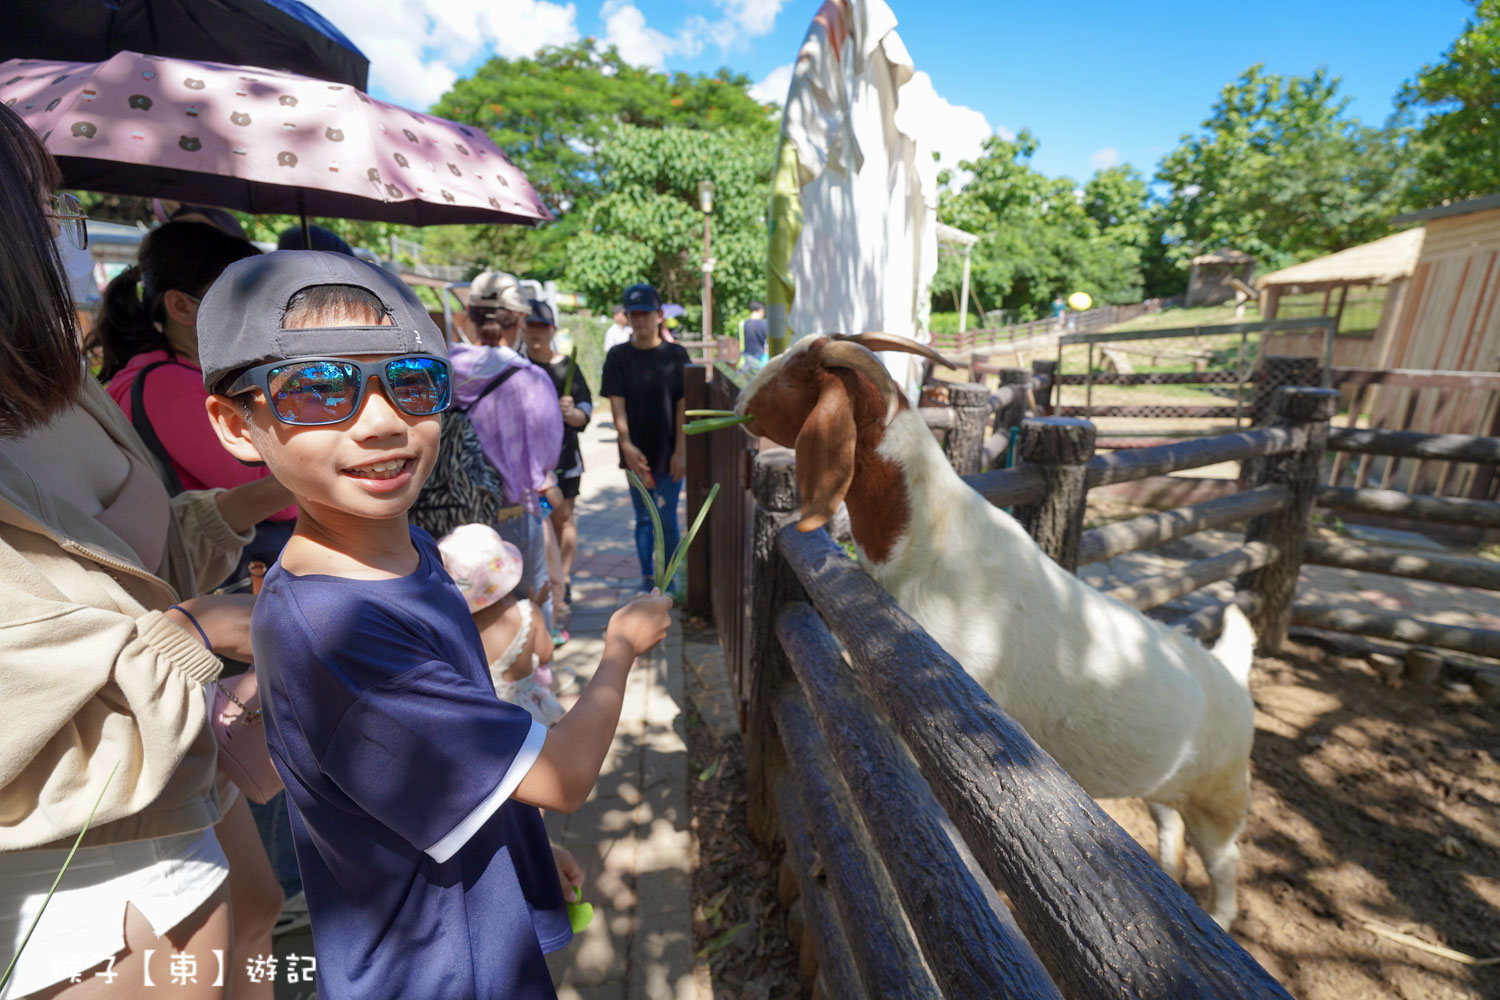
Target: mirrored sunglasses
{"type": "Point", "coordinates": [310, 392]}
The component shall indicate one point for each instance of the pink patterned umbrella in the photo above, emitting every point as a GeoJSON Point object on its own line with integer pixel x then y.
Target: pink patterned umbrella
{"type": "Point", "coordinates": [261, 141]}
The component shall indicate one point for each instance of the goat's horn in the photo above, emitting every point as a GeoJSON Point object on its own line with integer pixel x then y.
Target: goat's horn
{"type": "Point", "coordinates": [842, 353]}
{"type": "Point", "coordinates": [895, 342]}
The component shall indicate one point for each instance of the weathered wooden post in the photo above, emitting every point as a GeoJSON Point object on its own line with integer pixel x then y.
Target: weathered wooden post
{"type": "Point", "coordinates": [773, 482]}
{"type": "Point", "coordinates": [699, 481]}
{"type": "Point", "coordinates": [1045, 395]}
{"type": "Point", "coordinates": [964, 446]}
{"type": "Point", "coordinates": [1308, 411]}
{"type": "Point", "coordinates": [1012, 413]}
{"type": "Point", "coordinates": [1060, 447]}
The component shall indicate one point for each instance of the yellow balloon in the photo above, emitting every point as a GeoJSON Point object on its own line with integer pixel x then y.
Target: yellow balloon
{"type": "Point", "coordinates": [1079, 301]}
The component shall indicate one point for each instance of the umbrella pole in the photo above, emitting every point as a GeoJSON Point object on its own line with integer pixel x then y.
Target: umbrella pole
{"type": "Point", "coordinates": [306, 230]}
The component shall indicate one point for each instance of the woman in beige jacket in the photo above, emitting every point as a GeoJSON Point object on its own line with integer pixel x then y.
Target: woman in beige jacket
{"type": "Point", "coordinates": [104, 653]}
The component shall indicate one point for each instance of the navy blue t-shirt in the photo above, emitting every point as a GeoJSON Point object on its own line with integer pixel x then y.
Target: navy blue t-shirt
{"type": "Point", "coordinates": [423, 878]}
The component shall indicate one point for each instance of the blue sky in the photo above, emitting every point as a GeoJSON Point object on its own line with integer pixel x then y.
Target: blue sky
{"type": "Point", "coordinates": [1096, 82]}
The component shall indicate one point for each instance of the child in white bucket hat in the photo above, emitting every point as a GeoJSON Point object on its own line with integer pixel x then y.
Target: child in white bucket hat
{"type": "Point", "coordinates": [516, 642]}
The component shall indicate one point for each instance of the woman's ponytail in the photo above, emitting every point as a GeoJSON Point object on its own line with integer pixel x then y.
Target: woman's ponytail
{"type": "Point", "coordinates": [179, 256]}
{"type": "Point", "coordinates": [123, 328]}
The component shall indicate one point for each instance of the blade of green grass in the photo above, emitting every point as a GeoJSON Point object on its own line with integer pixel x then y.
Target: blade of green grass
{"type": "Point", "coordinates": [660, 556]}
{"type": "Point", "coordinates": [710, 413]}
{"type": "Point", "coordinates": [687, 541]}
{"type": "Point", "coordinates": [714, 424]}
{"type": "Point", "coordinates": [55, 882]}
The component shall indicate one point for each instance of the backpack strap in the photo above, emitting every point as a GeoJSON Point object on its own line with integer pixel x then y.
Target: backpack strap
{"type": "Point", "coordinates": [496, 383]}
{"type": "Point", "coordinates": [142, 424]}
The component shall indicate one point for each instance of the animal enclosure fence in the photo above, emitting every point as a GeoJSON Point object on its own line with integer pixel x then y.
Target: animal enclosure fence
{"type": "Point", "coordinates": [1219, 356]}
{"type": "Point", "coordinates": [894, 905]}
{"type": "Point", "coordinates": [908, 798]}
{"type": "Point", "coordinates": [865, 764]}
{"type": "Point", "coordinates": [1398, 644]}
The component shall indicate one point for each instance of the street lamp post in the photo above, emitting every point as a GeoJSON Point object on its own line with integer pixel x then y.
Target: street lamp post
{"type": "Point", "coordinates": [706, 203]}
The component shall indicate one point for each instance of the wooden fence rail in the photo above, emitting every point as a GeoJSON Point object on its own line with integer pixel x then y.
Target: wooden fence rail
{"type": "Point", "coordinates": [1033, 832]}
{"type": "Point", "coordinates": [1449, 570]}
{"type": "Point", "coordinates": [1150, 530]}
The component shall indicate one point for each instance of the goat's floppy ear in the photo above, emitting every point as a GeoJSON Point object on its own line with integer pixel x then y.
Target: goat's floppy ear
{"type": "Point", "coordinates": [892, 342]}
{"type": "Point", "coordinates": [825, 454]}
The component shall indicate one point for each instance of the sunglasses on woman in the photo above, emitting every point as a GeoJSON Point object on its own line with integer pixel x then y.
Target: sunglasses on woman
{"type": "Point", "coordinates": [67, 212]}
{"type": "Point", "coordinates": [311, 392]}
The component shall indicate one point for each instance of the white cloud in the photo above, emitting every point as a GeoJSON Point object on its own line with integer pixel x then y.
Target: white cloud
{"type": "Point", "coordinates": [417, 46]}
{"type": "Point", "coordinates": [625, 28]}
{"type": "Point", "coordinates": [1103, 159]}
{"type": "Point", "coordinates": [753, 17]}
{"type": "Point", "coordinates": [953, 131]}
{"type": "Point", "coordinates": [773, 88]}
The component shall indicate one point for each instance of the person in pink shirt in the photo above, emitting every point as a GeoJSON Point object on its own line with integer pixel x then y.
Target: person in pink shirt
{"type": "Point", "coordinates": [147, 338]}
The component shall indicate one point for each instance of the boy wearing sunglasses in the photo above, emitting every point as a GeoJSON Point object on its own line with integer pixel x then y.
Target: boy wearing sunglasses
{"type": "Point", "coordinates": [414, 790]}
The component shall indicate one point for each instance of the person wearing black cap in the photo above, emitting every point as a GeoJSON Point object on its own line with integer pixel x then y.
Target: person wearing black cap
{"type": "Point", "coordinates": [577, 405]}
{"type": "Point", "coordinates": [322, 239]}
{"type": "Point", "coordinates": [415, 790]}
{"type": "Point", "coordinates": [643, 380]}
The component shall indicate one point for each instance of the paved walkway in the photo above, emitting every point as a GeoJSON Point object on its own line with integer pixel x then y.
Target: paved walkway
{"type": "Point", "coordinates": [632, 836]}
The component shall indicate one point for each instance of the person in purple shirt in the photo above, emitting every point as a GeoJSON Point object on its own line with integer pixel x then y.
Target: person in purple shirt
{"type": "Point", "coordinates": [414, 789]}
{"type": "Point", "coordinates": [518, 421]}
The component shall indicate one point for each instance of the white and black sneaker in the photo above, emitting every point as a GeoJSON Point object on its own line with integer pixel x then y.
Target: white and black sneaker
{"type": "Point", "coordinates": [293, 915]}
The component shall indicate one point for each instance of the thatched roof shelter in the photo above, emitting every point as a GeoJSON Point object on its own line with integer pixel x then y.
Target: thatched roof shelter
{"type": "Point", "coordinates": [1377, 263]}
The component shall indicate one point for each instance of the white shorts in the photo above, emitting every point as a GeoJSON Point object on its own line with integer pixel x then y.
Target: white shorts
{"type": "Point", "coordinates": [167, 879]}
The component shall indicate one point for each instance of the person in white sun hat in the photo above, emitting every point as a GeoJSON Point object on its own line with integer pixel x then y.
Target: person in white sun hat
{"type": "Point", "coordinates": [516, 640]}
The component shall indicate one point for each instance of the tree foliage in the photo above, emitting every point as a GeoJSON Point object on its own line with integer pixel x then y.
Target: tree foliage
{"type": "Point", "coordinates": [1041, 237]}
{"type": "Point", "coordinates": [647, 225]}
{"type": "Point", "coordinates": [1460, 138]}
{"type": "Point", "coordinates": [555, 111]}
{"type": "Point", "coordinates": [1281, 173]}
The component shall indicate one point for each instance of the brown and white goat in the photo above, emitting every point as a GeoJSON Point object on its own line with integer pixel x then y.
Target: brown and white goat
{"type": "Point", "coordinates": [1127, 705]}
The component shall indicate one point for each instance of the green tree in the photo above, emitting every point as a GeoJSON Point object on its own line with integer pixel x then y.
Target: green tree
{"type": "Point", "coordinates": [1281, 173]}
{"type": "Point", "coordinates": [554, 112]}
{"type": "Point", "coordinates": [647, 225]}
{"type": "Point", "coordinates": [1041, 237]}
{"type": "Point", "coordinates": [1460, 139]}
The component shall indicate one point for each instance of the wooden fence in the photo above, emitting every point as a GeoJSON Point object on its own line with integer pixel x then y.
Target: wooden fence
{"type": "Point", "coordinates": [893, 905]}
{"type": "Point", "coordinates": [993, 338]}
{"type": "Point", "coordinates": [847, 765]}
{"type": "Point", "coordinates": [1396, 643]}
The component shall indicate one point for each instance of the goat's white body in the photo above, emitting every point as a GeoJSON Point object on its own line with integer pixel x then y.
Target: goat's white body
{"type": "Point", "coordinates": [1127, 705]}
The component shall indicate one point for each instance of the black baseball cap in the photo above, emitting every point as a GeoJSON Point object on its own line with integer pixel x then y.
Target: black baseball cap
{"type": "Point", "coordinates": [239, 320]}
{"type": "Point", "coordinates": [641, 298]}
{"type": "Point", "coordinates": [541, 314]}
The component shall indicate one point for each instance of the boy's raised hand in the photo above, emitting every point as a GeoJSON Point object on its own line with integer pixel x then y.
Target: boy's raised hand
{"type": "Point", "coordinates": [641, 624]}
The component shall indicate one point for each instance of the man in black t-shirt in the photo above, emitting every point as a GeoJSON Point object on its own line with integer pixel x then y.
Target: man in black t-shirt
{"type": "Point", "coordinates": [643, 381]}
{"type": "Point", "coordinates": [753, 334]}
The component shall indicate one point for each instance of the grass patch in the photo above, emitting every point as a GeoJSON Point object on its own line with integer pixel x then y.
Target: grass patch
{"type": "Point", "coordinates": [1197, 316]}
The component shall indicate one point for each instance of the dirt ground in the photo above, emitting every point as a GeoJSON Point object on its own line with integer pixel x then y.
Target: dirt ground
{"type": "Point", "coordinates": [739, 928]}
{"type": "Point", "coordinates": [1371, 804]}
